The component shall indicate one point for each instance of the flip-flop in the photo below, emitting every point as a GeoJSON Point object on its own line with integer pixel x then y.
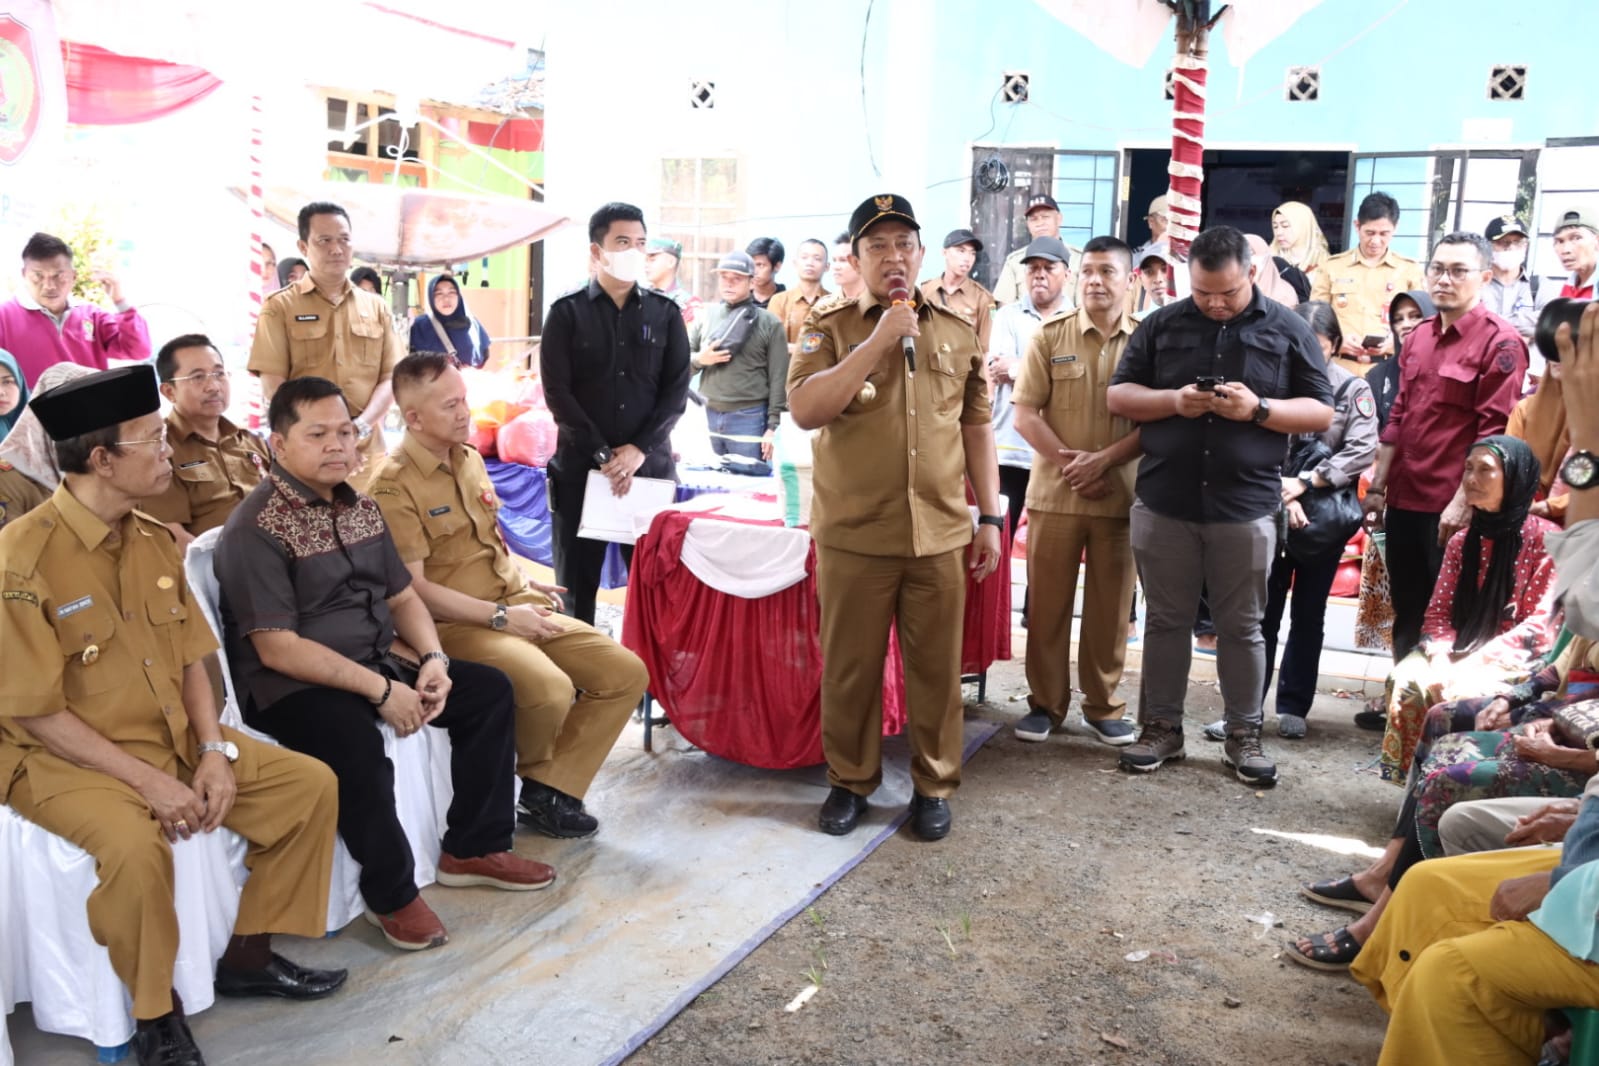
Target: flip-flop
{"type": "Point", "coordinates": [1339, 892]}
{"type": "Point", "coordinates": [1332, 952]}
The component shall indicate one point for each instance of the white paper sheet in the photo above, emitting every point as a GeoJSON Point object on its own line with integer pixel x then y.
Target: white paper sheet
{"type": "Point", "coordinates": [622, 518]}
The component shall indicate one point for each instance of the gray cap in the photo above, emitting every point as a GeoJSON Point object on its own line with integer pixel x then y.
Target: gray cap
{"type": "Point", "coordinates": [736, 263]}
{"type": "Point", "coordinates": [1051, 248]}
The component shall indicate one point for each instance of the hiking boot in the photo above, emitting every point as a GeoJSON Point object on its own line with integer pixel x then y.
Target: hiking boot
{"type": "Point", "coordinates": [554, 813]}
{"type": "Point", "coordinates": [1159, 741]}
{"type": "Point", "coordinates": [1035, 725]}
{"type": "Point", "coordinates": [1244, 754]}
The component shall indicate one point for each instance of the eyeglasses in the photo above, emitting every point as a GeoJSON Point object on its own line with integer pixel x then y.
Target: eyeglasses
{"type": "Point", "coordinates": [161, 440]}
{"type": "Point", "coordinates": [1456, 271]}
{"type": "Point", "coordinates": [200, 377]}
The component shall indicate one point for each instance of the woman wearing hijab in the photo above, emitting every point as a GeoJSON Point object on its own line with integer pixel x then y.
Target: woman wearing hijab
{"type": "Point", "coordinates": [448, 327]}
{"type": "Point", "coordinates": [1297, 236]}
{"type": "Point", "coordinates": [1405, 312]}
{"type": "Point", "coordinates": [28, 471]}
{"type": "Point", "coordinates": [1489, 622]}
{"type": "Point", "coordinates": [13, 393]}
{"type": "Point", "coordinates": [1263, 272]}
{"type": "Point", "coordinates": [291, 270]}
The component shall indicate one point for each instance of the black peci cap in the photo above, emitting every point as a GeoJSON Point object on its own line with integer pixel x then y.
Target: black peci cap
{"type": "Point", "coordinates": [108, 398]}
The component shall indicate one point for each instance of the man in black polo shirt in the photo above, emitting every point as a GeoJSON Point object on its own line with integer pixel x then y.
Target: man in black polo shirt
{"type": "Point", "coordinates": [615, 368]}
{"type": "Point", "coordinates": [1219, 381]}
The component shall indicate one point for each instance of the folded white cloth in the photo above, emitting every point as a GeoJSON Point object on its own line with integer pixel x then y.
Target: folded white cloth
{"type": "Point", "coordinates": [744, 560]}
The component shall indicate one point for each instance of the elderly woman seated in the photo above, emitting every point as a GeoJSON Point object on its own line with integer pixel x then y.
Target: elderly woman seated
{"type": "Point", "coordinates": [1489, 622]}
{"type": "Point", "coordinates": [1532, 759]}
{"type": "Point", "coordinates": [1476, 948]}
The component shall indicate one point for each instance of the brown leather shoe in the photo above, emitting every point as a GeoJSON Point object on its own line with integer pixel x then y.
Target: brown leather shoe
{"type": "Point", "coordinates": [503, 869]}
{"type": "Point", "coordinates": [414, 927]}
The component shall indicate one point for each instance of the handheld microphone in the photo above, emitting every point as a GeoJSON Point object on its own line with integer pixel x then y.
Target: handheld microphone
{"type": "Point", "coordinates": [900, 294]}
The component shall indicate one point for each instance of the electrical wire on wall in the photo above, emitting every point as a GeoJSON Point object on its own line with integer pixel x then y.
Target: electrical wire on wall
{"type": "Point", "coordinates": [866, 120]}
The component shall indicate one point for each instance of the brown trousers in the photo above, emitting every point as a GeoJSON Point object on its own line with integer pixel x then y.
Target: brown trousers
{"type": "Point", "coordinates": [1055, 546]}
{"type": "Point", "coordinates": [287, 810]}
{"type": "Point", "coordinates": [574, 694]}
{"type": "Point", "coordinates": [860, 596]}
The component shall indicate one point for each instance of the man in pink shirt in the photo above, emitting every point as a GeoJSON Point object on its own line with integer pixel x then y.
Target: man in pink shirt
{"type": "Point", "coordinates": [41, 326]}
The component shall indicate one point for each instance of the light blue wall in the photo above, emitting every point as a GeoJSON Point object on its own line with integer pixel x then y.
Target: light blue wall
{"type": "Point", "coordinates": [789, 76]}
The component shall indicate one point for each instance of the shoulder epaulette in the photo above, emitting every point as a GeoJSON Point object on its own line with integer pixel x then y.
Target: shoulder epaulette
{"type": "Point", "coordinates": [23, 539]}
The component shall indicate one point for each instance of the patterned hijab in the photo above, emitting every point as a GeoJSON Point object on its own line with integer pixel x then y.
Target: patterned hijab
{"type": "Point", "coordinates": [28, 447]}
{"type": "Point", "coordinates": [1478, 611]}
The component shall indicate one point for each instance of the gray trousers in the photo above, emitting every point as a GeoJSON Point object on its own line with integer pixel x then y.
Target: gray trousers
{"type": "Point", "coordinates": [1481, 825]}
{"type": "Point", "coordinates": [1175, 560]}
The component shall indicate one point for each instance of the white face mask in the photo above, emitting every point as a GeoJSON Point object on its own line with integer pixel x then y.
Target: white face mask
{"type": "Point", "coordinates": [1510, 258]}
{"type": "Point", "coordinates": [626, 265]}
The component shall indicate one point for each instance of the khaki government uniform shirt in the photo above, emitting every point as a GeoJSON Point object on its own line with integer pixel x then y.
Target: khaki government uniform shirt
{"type": "Point", "coordinates": [209, 478]}
{"type": "Point", "coordinates": [890, 472]}
{"type": "Point", "coordinates": [97, 620]}
{"type": "Point", "coordinates": [351, 342]}
{"type": "Point", "coordinates": [19, 493]}
{"type": "Point", "coordinates": [969, 300]}
{"type": "Point", "coordinates": [792, 309]}
{"type": "Point", "coordinates": [1064, 373]}
{"type": "Point", "coordinates": [1360, 293]}
{"type": "Point", "coordinates": [446, 516]}
{"type": "Point", "coordinates": [1012, 280]}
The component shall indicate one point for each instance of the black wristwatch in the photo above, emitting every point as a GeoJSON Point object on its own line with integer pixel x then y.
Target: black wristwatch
{"type": "Point", "coordinates": [997, 521]}
{"type": "Point", "coordinates": [603, 455]}
{"type": "Point", "coordinates": [1262, 411]}
{"type": "Point", "coordinates": [1581, 471]}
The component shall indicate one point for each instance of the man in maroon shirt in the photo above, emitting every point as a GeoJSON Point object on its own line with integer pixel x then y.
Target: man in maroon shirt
{"type": "Point", "coordinates": [1460, 378]}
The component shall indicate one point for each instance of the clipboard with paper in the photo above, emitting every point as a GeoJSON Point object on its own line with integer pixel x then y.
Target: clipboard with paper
{"type": "Point", "coordinates": [621, 519]}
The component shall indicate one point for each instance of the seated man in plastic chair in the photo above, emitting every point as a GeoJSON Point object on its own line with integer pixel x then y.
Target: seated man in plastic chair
{"type": "Point", "coordinates": [313, 597]}
{"type": "Point", "coordinates": [110, 736]}
{"type": "Point", "coordinates": [575, 686]}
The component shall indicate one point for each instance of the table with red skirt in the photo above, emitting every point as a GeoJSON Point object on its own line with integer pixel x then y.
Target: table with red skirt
{"type": "Point", "coordinates": [739, 675]}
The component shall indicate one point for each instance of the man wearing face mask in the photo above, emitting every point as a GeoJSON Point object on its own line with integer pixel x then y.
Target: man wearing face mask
{"type": "Point", "coordinates": [1509, 294]}
{"type": "Point", "coordinates": [615, 367]}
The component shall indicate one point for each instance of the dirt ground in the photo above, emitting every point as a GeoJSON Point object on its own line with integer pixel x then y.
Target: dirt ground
{"type": "Point", "coordinates": [1007, 942]}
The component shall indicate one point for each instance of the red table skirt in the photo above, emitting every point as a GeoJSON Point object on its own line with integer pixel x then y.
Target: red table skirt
{"type": "Point", "coordinates": [741, 678]}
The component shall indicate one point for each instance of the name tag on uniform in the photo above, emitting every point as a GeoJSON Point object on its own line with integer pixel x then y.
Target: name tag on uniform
{"type": "Point", "coordinates": [436, 511]}
{"type": "Point", "coordinates": [306, 318]}
{"type": "Point", "coordinates": [191, 464]}
{"type": "Point", "coordinates": [74, 607]}
{"type": "Point", "coordinates": [1063, 359]}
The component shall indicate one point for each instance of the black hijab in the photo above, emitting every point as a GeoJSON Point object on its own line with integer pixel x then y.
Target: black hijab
{"type": "Point", "coordinates": [1478, 611]}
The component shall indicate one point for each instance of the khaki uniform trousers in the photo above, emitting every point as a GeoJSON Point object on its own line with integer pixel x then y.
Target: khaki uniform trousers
{"type": "Point", "coordinates": [286, 809]}
{"type": "Point", "coordinates": [860, 596]}
{"type": "Point", "coordinates": [1055, 547]}
{"type": "Point", "coordinates": [1459, 987]}
{"type": "Point", "coordinates": [574, 694]}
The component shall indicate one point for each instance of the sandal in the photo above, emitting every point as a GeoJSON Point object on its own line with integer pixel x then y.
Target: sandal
{"type": "Point", "coordinates": [1340, 893]}
{"type": "Point", "coordinates": [1332, 952]}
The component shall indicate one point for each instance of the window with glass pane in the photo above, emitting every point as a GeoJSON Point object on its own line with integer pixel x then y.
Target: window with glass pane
{"type": "Point", "coordinates": [699, 205]}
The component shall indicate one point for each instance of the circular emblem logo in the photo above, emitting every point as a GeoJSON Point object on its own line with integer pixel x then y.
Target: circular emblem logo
{"type": "Point", "coordinates": [19, 89]}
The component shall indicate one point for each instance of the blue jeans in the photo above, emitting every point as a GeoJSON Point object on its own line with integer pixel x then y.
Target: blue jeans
{"type": "Point", "coordinates": [736, 436]}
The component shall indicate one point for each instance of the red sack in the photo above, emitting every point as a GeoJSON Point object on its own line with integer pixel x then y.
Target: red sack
{"type": "Point", "coordinates": [528, 439]}
{"type": "Point", "coordinates": [482, 439]}
{"type": "Point", "coordinates": [1347, 583]}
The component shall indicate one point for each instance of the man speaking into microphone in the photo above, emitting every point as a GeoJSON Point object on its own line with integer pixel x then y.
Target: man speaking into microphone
{"type": "Point", "coordinates": [898, 393]}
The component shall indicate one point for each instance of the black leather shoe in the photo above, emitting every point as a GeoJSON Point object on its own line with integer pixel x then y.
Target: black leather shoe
{"type": "Point", "coordinates": [930, 818]}
{"type": "Point", "coordinates": [841, 811]}
{"type": "Point", "coordinates": [166, 1042]}
{"type": "Point", "coordinates": [280, 978]}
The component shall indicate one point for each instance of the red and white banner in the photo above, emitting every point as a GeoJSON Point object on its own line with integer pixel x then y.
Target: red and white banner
{"type": "Point", "coordinates": [33, 107]}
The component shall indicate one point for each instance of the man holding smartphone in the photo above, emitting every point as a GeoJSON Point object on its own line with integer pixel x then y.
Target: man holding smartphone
{"type": "Point", "coordinates": [1217, 381]}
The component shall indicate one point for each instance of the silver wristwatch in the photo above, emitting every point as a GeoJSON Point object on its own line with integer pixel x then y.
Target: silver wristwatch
{"type": "Point", "coordinates": [226, 748]}
{"type": "Point", "coordinates": [439, 655]}
{"type": "Point", "coordinates": [500, 619]}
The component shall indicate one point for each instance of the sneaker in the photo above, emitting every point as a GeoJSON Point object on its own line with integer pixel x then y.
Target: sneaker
{"type": "Point", "coordinates": [1036, 725]}
{"type": "Point", "coordinates": [1159, 742]}
{"type": "Point", "coordinates": [414, 927]}
{"type": "Point", "coordinates": [1116, 732]}
{"type": "Point", "coordinates": [1244, 754]}
{"type": "Point", "coordinates": [554, 813]}
{"type": "Point", "coordinates": [502, 869]}
{"type": "Point", "coordinates": [1291, 726]}
{"type": "Point", "coordinates": [1217, 730]}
